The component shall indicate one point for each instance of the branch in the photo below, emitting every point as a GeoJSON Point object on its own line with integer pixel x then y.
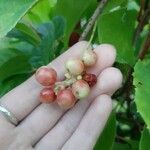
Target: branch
{"type": "Point", "coordinates": [145, 48]}
{"type": "Point", "coordinates": [93, 19]}
{"type": "Point", "coordinates": [141, 10]}
{"type": "Point", "coordinates": [142, 22]}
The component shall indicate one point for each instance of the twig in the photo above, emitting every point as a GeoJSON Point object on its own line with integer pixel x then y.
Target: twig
{"type": "Point", "coordinates": [93, 19]}
{"type": "Point", "coordinates": [145, 48]}
{"type": "Point", "coordinates": [143, 21]}
{"type": "Point", "coordinates": [141, 10]}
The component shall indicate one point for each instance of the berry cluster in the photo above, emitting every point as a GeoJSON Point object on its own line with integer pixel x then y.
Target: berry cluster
{"type": "Point", "coordinates": [76, 85]}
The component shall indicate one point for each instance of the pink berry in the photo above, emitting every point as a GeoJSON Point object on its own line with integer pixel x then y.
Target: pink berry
{"type": "Point", "coordinates": [65, 99]}
{"type": "Point", "coordinates": [80, 89]}
{"type": "Point", "coordinates": [47, 95]}
{"type": "Point", "coordinates": [46, 76]}
{"type": "Point", "coordinates": [75, 66]}
{"type": "Point", "coordinates": [89, 58]}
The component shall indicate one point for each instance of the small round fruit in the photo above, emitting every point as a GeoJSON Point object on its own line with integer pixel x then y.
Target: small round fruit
{"type": "Point", "coordinates": [46, 76]}
{"type": "Point", "coordinates": [75, 66]}
{"type": "Point", "coordinates": [74, 38]}
{"type": "Point", "coordinates": [91, 79]}
{"type": "Point", "coordinates": [89, 58]}
{"type": "Point", "coordinates": [80, 89]}
{"type": "Point", "coordinates": [47, 95]}
{"type": "Point", "coordinates": [66, 99]}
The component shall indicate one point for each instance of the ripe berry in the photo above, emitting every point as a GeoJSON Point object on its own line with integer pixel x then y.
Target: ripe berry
{"type": "Point", "coordinates": [46, 76]}
{"type": "Point", "coordinates": [80, 89]}
{"type": "Point", "coordinates": [66, 99]}
{"type": "Point", "coordinates": [91, 79]}
{"type": "Point", "coordinates": [75, 66]}
{"type": "Point", "coordinates": [47, 95]}
{"type": "Point", "coordinates": [89, 58]}
{"type": "Point", "coordinates": [74, 37]}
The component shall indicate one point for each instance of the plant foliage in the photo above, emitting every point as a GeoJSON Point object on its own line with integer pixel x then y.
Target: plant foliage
{"type": "Point", "coordinates": [34, 32]}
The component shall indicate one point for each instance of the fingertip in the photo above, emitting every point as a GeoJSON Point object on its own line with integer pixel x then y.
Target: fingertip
{"type": "Point", "coordinates": [110, 80]}
{"type": "Point", "coordinates": [107, 53]}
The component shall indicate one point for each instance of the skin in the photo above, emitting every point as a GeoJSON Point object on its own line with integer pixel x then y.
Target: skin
{"type": "Point", "coordinates": [47, 126]}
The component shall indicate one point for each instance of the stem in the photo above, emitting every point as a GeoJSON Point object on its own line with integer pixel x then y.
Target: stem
{"type": "Point", "coordinates": [145, 48]}
{"type": "Point", "coordinates": [141, 10]}
{"type": "Point", "coordinates": [93, 19]}
{"type": "Point", "coordinates": [92, 35]}
{"type": "Point", "coordinates": [68, 82]}
{"type": "Point", "coordinates": [143, 21]}
{"type": "Point", "coordinates": [63, 84]}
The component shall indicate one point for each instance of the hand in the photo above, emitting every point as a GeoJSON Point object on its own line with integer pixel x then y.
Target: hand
{"type": "Point", "coordinates": [46, 126]}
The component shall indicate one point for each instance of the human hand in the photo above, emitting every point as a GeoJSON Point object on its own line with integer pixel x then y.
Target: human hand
{"type": "Point", "coordinates": [47, 126]}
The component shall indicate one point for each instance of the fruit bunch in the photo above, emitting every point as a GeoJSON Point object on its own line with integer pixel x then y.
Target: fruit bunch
{"type": "Point", "coordinates": [76, 85]}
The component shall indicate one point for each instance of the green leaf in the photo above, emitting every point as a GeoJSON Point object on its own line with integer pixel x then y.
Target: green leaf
{"type": "Point", "coordinates": [60, 25]}
{"type": "Point", "coordinates": [113, 5]}
{"type": "Point", "coordinates": [11, 83]}
{"type": "Point", "coordinates": [117, 28]}
{"type": "Point", "coordinates": [25, 32]}
{"type": "Point", "coordinates": [119, 146]}
{"type": "Point", "coordinates": [13, 62]}
{"type": "Point", "coordinates": [141, 82]}
{"type": "Point", "coordinates": [106, 140]}
{"type": "Point", "coordinates": [11, 12]}
{"type": "Point", "coordinates": [40, 13]}
{"type": "Point", "coordinates": [145, 139]}
{"type": "Point", "coordinates": [72, 10]}
{"type": "Point", "coordinates": [51, 33]}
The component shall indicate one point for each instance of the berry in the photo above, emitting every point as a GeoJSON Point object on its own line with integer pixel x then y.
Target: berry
{"type": "Point", "coordinates": [66, 99]}
{"type": "Point", "coordinates": [46, 76]}
{"type": "Point", "coordinates": [74, 37]}
{"type": "Point", "coordinates": [47, 95]}
{"type": "Point", "coordinates": [75, 66]}
{"type": "Point", "coordinates": [91, 79]}
{"type": "Point", "coordinates": [89, 58]}
{"type": "Point", "coordinates": [80, 89]}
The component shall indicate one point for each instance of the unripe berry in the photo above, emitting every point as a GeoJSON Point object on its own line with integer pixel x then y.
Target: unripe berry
{"type": "Point", "coordinates": [75, 66]}
{"type": "Point", "coordinates": [80, 89]}
{"type": "Point", "coordinates": [89, 58]}
{"type": "Point", "coordinates": [91, 79]}
{"type": "Point", "coordinates": [46, 76]}
{"type": "Point", "coordinates": [66, 99]}
{"type": "Point", "coordinates": [47, 95]}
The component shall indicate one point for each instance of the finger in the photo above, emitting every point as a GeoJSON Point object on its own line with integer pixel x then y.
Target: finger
{"type": "Point", "coordinates": [5, 126]}
{"type": "Point", "coordinates": [56, 138]}
{"type": "Point", "coordinates": [49, 115]}
{"type": "Point", "coordinates": [92, 124]}
{"type": "Point", "coordinates": [24, 98]}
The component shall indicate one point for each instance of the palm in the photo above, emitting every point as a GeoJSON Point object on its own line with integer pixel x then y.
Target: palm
{"type": "Point", "coordinates": [46, 126]}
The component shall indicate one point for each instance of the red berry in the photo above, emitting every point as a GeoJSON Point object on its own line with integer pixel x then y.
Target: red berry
{"type": "Point", "coordinates": [89, 58]}
{"type": "Point", "coordinates": [46, 76]}
{"type": "Point", "coordinates": [47, 95]}
{"type": "Point", "coordinates": [66, 99]}
{"type": "Point", "coordinates": [75, 66]}
{"type": "Point", "coordinates": [74, 37]}
{"type": "Point", "coordinates": [91, 79]}
{"type": "Point", "coordinates": [80, 89]}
